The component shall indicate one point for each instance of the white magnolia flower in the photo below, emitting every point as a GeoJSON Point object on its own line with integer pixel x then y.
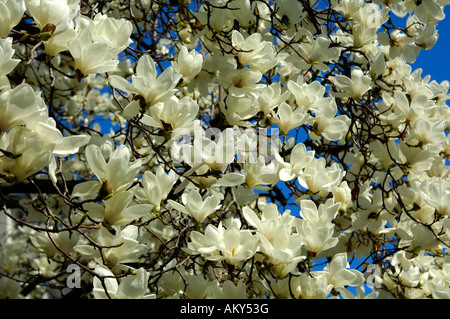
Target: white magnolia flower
{"type": "Point", "coordinates": [314, 52]}
{"type": "Point", "coordinates": [113, 32]}
{"type": "Point", "coordinates": [195, 206]}
{"type": "Point", "coordinates": [155, 187]}
{"type": "Point", "coordinates": [270, 222]}
{"type": "Point", "coordinates": [20, 105]}
{"type": "Point", "coordinates": [261, 175]}
{"type": "Point", "coordinates": [118, 210]}
{"type": "Point", "coordinates": [338, 275]}
{"type": "Point", "coordinates": [147, 84]}
{"type": "Point", "coordinates": [7, 62]}
{"type": "Point", "coordinates": [188, 64]}
{"type": "Point", "coordinates": [240, 82]}
{"type": "Point", "coordinates": [239, 110]}
{"type": "Point", "coordinates": [300, 158]}
{"type": "Point", "coordinates": [92, 57]}
{"type": "Point", "coordinates": [306, 286]}
{"type": "Point", "coordinates": [305, 94]}
{"type": "Point", "coordinates": [232, 245]}
{"type": "Point", "coordinates": [217, 155]}
{"type": "Point", "coordinates": [316, 227]}
{"type": "Point", "coordinates": [114, 175]}
{"type": "Point", "coordinates": [133, 286]}
{"type": "Point", "coordinates": [24, 154]}
{"type": "Point", "coordinates": [11, 11]}
{"type": "Point", "coordinates": [173, 114]}
{"type": "Point", "coordinates": [236, 245]}
{"type": "Point", "coordinates": [319, 178]}
{"type": "Point", "coordinates": [287, 119]}
{"type": "Point", "coordinates": [9, 288]}
{"type": "Point", "coordinates": [354, 87]}
{"type": "Point", "coordinates": [57, 13]}
{"type": "Point", "coordinates": [270, 97]}
{"type": "Point", "coordinates": [59, 42]}
{"type": "Point", "coordinates": [123, 247]}
{"type": "Point", "coordinates": [326, 123]}
{"type": "Point", "coordinates": [259, 55]}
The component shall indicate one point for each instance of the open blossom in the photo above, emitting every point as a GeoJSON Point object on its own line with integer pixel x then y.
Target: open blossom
{"type": "Point", "coordinates": [113, 32]}
{"type": "Point", "coordinates": [92, 57]}
{"type": "Point", "coordinates": [354, 87]}
{"type": "Point", "coordinates": [252, 51]}
{"type": "Point", "coordinates": [133, 286]}
{"type": "Point", "coordinates": [316, 227]}
{"type": "Point", "coordinates": [7, 62]}
{"type": "Point", "coordinates": [299, 159]}
{"type": "Point", "coordinates": [319, 178]}
{"type": "Point", "coordinates": [117, 210]}
{"type": "Point", "coordinates": [11, 11]}
{"type": "Point", "coordinates": [314, 52]}
{"type": "Point", "coordinates": [58, 13]}
{"type": "Point", "coordinates": [287, 118]}
{"type": "Point", "coordinates": [114, 175]}
{"type": "Point", "coordinates": [155, 187]}
{"type": "Point", "coordinates": [326, 123]}
{"type": "Point", "coordinates": [232, 244]}
{"type": "Point", "coordinates": [239, 110]}
{"type": "Point", "coordinates": [19, 105]}
{"type": "Point", "coordinates": [305, 94]}
{"type": "Point", "coordinates": [195, 206]}
{"type": "Point", "coordinates": [172, 115]}
{"type": "Point", "coordinates": [24, 154]}
{"type": "Point", "coordinates": [122, 245]}
{"type": "Point", "coordinates": [153, 88]}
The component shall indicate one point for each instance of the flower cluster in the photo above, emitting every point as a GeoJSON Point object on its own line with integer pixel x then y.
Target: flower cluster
{"type": "Point", "coordinates": [222, 149]}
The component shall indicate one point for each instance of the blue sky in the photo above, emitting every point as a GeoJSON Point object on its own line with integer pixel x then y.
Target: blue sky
{"type": "Point", "coordinates": [435, 62]}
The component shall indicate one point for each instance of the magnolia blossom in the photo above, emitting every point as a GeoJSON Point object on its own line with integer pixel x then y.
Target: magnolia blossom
{"type": "Point", "coordinates": [133, 286]}
{"type": "Point", "coordinates": [238, 110]}
{"type": "Point", "coordinates": [173, 114]}
{"type": "Point", "coordinates": [7, 62]}
{"type": "Point", "coordinates": [117, 210]}
{"type": "Point", "coordinates": [326, 123]}
{"type": "Point", "coordinates": [11, 11]}
{"type": "Point", "coordinates": [24, 154]}
{"type": "Point", "coordinates": [315, 227]}
{"type": "Point", "coordinates": [252, 51]}
{"type": "Point", "coordinates": [319, 178]}
{"type": "Point", "coordinates": [189, 63]}
{"type": "Point", "coordinates": [92, 57]}
{"type": "Point", "coordinates": [195, 206]}
{"type": "Point", "coordinates": [20, 105]}
{"type": "Point", "coordinates": [140, 146]}
{"type": "Point", "coordinates": [353, 87]}
{"type": "Point", "coordinates": [314, 53]}
{"type": "Point", "coordinates": [155, 187]}
{"type": "Point", "coordinates": [305, 94]}
{"type": "Point", "coordinates": [287, 119]}
{"type": "Point", "coordinates": [338, 275]}
{"type": "Point", "coordinates": [147, 84]}
{"type": "Point", "coordinates": [300, 158]}
{"type": "Point", "coordinates": [114, 175]}
{"type": "Point", "coordinates": [113, 32]}
{"type": "Point", "coordinates": [123, 247]}
{"type": "Point", "coordinates": [57, 14]}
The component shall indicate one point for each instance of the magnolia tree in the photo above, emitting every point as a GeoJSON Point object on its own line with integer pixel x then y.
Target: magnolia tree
{"type": "Point", "coordinates": [222, 149]}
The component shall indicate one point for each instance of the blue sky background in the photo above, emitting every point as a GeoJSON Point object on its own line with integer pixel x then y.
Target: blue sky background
{"type": "Point", "coordinates": [435, 62]}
